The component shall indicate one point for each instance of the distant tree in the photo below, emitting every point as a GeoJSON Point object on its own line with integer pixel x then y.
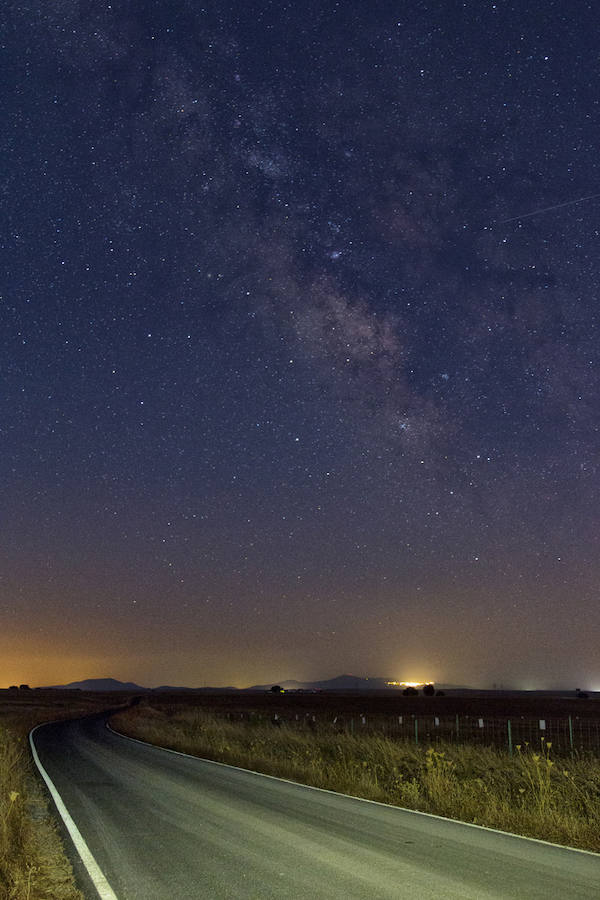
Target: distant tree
{"type": "Point", "coordinates": [277, 689]}
{"type": "Point", "coordinates": [429, 690]}
{"type": "Point", "coordinates": [583, 695]}
{"type": "Point", "coordinates": [24, 687]}
{"type": "Point", "coordinates": [440, 693]}
{"type": "Point", "coordinates": [14, 687]}
{"type": "Point", "coordinates": [410, 691]}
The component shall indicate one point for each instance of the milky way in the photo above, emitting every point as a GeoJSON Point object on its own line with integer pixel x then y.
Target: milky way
{"type": "Point", "coordinates": [289, 388]}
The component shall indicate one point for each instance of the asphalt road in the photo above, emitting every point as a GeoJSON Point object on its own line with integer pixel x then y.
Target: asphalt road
{"type": "Point", "coordinates": [162, 826]}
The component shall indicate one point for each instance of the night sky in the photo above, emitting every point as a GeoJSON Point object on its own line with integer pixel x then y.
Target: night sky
{"type": "Point", "coordinates": [299, 351]}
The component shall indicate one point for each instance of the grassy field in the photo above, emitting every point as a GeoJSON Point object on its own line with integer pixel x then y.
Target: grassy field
{"type": "Point", "coordinates": [33, 864]}
{"type": "Point", "coordinates": [530, 793]}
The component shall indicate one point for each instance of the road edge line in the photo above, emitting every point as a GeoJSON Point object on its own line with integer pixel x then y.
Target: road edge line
{"type": "Point", "coordinates": [312, 787]}
{"type": "Point", "coordinates": [97, 876]}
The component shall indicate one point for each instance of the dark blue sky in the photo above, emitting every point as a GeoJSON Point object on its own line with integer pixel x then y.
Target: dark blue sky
{"type": "Point", "coordinates": [293, 383]}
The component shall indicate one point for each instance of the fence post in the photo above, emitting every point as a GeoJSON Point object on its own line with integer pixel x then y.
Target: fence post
{"type": "Point", "coordinates": [571, 734]}
{"type": "Point", "coordinates": [416, 730]}
{"type": "Point", "coordinates": [457, 729]}
{"type": "Point", "coordinates": [509, 729]}
{"type": "Point", "coordinates": [351, 726]}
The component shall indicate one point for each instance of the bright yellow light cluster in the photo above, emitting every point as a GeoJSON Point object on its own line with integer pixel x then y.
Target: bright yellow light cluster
{"type": "Point", "coordinates": [415, 684]}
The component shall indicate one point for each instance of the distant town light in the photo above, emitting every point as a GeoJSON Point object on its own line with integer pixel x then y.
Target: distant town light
{"type": "Point", "coordinates": [415, 684]}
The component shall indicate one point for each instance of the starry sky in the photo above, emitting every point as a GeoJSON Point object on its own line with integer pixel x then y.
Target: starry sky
{"type": "Point", "coordinates": [299, 353]}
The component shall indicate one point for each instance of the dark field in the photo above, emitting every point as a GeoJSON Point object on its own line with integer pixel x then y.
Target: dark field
{"type": "Point", "coordinates": [61, 703]}
{"type": "Point", "coordinates": [387, 703]}
{"type": "Point", "coordinates": [21, 710]}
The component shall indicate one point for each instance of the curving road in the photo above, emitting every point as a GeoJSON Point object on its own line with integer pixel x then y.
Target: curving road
{"type": "Point", "coordinates": [162, 826]}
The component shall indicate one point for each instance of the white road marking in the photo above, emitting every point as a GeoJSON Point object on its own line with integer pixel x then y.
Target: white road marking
{"type": "Point", "coordinates": [99, 880]}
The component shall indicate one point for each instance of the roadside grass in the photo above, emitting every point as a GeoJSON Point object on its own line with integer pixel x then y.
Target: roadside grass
{"type": "Point", "coordinates": [33, 864]}
{"type": "Point", "coordinates": [529, 793]}
{"type": "Point", "coordinates": [16, 868]}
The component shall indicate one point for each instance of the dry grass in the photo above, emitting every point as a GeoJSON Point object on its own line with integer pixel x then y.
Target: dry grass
{"type": "Point", "coordinates": [32, 860]}
{"type": "Point", "coordinates": [529, 794]}
{"type": "Point", "coordinates": [16, 870]}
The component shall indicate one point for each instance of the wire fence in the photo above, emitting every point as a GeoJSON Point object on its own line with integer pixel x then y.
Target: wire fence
{"type": "Point", "coordinates": [567, 735]}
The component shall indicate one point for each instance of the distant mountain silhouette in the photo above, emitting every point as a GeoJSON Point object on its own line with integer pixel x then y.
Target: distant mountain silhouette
{"type": "Point", "coordinates": [169, 688]}
{"type": "Point", "coordinates": [341, 683]}
{"type": "Point", "coordinates": [112, 684]}
{"type": "Point", "coordinates": [99, 684]}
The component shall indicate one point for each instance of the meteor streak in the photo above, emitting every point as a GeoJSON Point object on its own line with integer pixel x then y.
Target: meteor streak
{"type": "Point", "coordinates": [537, 212]}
